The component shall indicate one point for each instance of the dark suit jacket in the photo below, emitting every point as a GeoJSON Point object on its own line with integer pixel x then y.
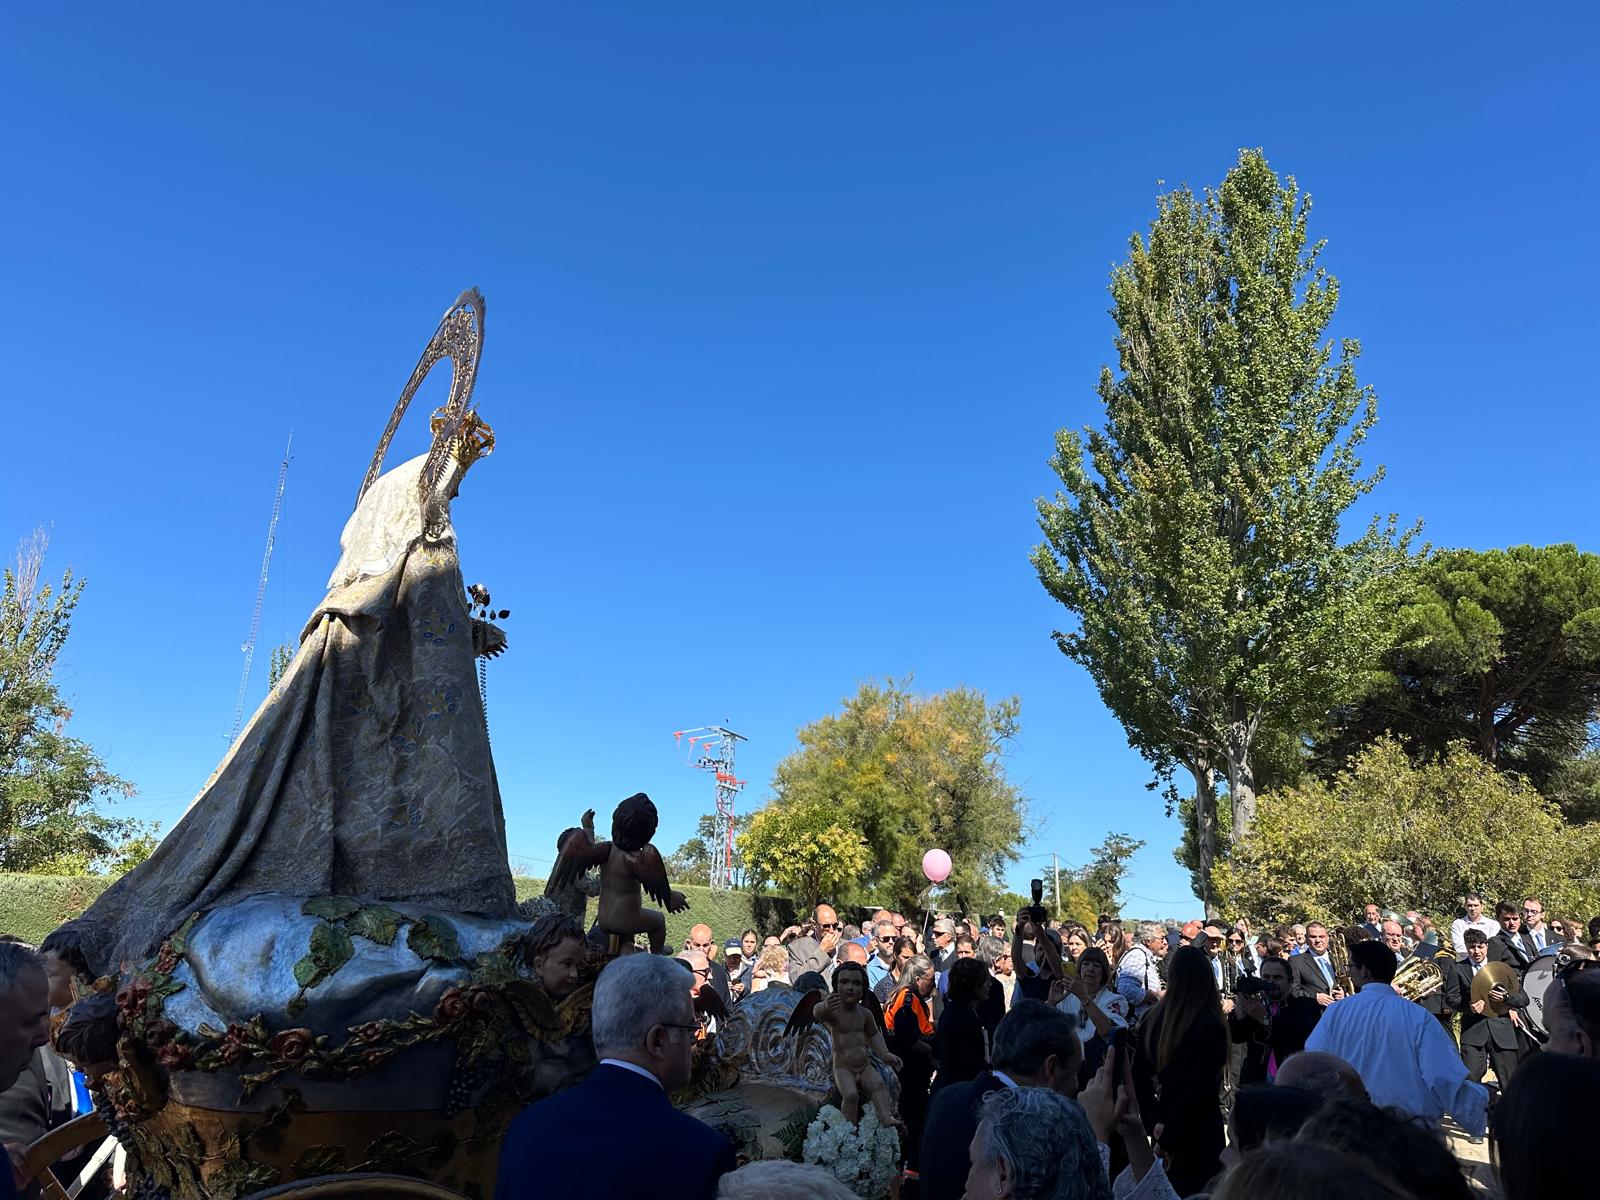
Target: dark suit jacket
{"type": "Point", "coordinates": [719, 981]}
{"type": "Point", "coordinates": [1283, 1035]}
{"type": "Point", "coordinates": [615, 1134]}
{"type": "Point", "coordinates": [1481, 1029]}
{"type": "Point", "coordinates": [1306, 978]}
{"type": "Point", "coordinates": [1516, 952]}
{"type": "Point", "coordinates": [952, 1120]}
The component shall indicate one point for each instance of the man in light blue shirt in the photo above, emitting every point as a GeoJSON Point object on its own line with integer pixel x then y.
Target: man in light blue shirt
{"type": "Point", "coordinates": [882, 960]}
{"type": "Point", "coordinates": [1402, 1054]}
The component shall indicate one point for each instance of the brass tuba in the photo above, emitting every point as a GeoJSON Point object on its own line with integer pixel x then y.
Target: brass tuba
{"type": "Point", "coordinates": [1418, 977]}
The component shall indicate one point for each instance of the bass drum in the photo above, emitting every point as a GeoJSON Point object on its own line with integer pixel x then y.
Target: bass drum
{"type": "Point", "coordinates": [1536, 981]}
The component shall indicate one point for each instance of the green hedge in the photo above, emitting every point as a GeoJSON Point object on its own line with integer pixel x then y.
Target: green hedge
{"type": "Point", "coordinates": [32, 905]}
{"type": "Point", "coordinates": [728, 913]}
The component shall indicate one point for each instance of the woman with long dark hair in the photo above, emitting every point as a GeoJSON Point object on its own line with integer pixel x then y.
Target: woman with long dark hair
{"type": "Point", "coordinates": [1179, 1055]}
{"type": "Point", "coordinates": [960, 1042]}
{"type": "Point", "coordinates": [1113, 939]}
{"type": "Point", "coordinates": [1548, 1107]}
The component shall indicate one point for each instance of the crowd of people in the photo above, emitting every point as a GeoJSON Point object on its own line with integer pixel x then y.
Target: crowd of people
{"type": "Point", "coordinates": [1176, 1060]}
{"type": "Point", "coordinates": [1037, 1057]}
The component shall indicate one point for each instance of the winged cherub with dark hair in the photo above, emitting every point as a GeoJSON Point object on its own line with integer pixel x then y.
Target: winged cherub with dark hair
{"type": "Point", "coordinates": [849, 1015]}
{"type": "Point", "coordinates": [628, 864]}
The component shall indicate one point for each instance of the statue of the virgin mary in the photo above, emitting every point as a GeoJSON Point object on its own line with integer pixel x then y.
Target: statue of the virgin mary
{"type": "Point", "coordinates": [367, 771]}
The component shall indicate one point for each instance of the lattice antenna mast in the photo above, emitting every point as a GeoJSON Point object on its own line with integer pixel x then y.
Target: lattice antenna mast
{"type": "Point", "coordinates": [711, 748]}
{"type": "Point", "coordinates": [249, 646]}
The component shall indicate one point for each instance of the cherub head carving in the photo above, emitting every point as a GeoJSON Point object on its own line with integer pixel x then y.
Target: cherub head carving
{"type": "Point", "coordinates": [554, 951]}
{"type": "Point", "coordinates": [634, 823]}
{"type": "Point", "coordinates": [850, 982]}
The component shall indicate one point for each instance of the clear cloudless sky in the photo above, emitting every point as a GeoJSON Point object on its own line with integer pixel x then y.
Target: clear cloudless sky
{"type": "Point", "coordinates": [785, 303]}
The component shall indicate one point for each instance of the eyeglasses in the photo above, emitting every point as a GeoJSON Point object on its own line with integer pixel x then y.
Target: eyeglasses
{"type": "Point", "coordinates": [828, 925]}
{"type": "Point", "coordinates": [1236, 941]}
{"type": "Point", "coordinates": [886, 940]}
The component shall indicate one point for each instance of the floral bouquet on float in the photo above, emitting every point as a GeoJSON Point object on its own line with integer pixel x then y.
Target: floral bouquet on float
{"type": "Point", "coordinates": [863, 1158]}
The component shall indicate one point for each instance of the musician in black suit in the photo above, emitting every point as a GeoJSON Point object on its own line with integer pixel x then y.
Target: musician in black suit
{"type": "Point", "coordinates": [1513, 945]}
{"type": "Point", "coordinates": [1485, 1038]}
{"type": "Point", "coordinates": [1037, 1045]}
{"type": "Point", "coordinates": [1312, 974]}
{"type": "Point", "coordinates": [1270, 1025]}
{"type": "Point", "coordinates": [1437, 1002]}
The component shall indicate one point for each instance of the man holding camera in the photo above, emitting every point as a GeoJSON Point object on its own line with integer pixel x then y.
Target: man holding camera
{"type": "Point", "coordinates": [1035, 949]}
{"type": "Point", "coordinates": [1269, 1022]}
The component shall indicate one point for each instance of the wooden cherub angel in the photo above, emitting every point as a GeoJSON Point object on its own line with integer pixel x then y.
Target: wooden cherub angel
{"type": "Point", "coordinates": [848, 1012]}
{"type": "Point", "coordinates": [628, 865]}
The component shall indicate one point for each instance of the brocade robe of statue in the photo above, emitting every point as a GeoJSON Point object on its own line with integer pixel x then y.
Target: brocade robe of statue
{"type": "Point", "coordinates": [367, 770]}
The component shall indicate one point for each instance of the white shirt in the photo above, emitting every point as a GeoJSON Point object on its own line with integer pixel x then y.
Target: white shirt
{"type": "Point", "coordinates": [1137, 977]}
{"type": "Point", "coordinates": [1459, 927]}
{"type": "Point", "coordinates": [1109, 1002]}
{"type": "Point", "coordinates": [634, 1067]}
{"type": "Point", "coordinates": [1403, 1055]}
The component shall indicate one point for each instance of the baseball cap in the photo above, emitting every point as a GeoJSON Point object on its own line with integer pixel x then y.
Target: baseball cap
{"type": "Point", "coordinates": [733, 946]}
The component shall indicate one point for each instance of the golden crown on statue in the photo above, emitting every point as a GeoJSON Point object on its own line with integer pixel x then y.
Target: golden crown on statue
{"type": "Point", "coordinates": [473, 439]}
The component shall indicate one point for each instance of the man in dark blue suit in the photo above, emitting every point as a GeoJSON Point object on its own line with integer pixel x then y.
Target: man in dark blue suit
{"type": "Point", "coordinates": [1036, 1045]}
{"type": "Point", "coordinates": [616, 1133]}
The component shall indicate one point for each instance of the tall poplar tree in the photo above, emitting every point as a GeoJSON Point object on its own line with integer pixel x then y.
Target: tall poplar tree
{"type": "Point", "coordinates": [1197, 536]}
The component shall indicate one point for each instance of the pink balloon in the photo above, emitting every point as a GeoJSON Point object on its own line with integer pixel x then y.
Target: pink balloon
{"type": "Point", "coordinates": [936, 866]}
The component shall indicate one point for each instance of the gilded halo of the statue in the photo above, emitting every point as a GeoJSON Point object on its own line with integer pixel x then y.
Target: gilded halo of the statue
{"type": "Point", "coordinates": [459, 337]}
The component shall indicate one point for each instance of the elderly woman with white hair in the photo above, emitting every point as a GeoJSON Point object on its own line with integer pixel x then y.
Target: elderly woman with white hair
{"type": "Point", "coordinates": [1035, 1144]}
{"type": "Point", "coordinates": [779, 1179]}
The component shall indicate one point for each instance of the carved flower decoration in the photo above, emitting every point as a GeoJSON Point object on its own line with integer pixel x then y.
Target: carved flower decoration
{"type": "Point", "coordinates": [131, 998]}
{"type": "Point", "coordinates": [236, 1045]}
{"type": "Point", "coordinates": [159, 1032]}
{"type": "Point", "coordinates": [480, 999]}
{"type": "Point", "coordinates": [168, 960]}
{"type": "Point", "coordinates": [453, 1005]}
{"type": "Point", "coordinates": [376, 1058]}
{"type": "Point", "coordinates": [175, 1056]}
{"type": "Point", "coordinates": [292, 1045]}
{"type": "Point", "coordinates": [372, 1031]}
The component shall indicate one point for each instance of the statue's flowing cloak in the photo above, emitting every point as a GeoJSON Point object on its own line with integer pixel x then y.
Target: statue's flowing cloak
{"type": "Point", "coordinates": [367, 770]}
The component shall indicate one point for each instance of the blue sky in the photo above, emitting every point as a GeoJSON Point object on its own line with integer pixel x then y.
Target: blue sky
{"type": "Point", "coordinates": [785, 305]}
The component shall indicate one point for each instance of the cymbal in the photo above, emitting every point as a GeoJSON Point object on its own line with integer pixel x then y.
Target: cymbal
{"type": "Point", "coordinates": [1489, 977]}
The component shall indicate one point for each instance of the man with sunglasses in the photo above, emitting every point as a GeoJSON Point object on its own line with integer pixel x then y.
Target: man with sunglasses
{"type": "Point", "coordinates": [882, 961]}
{"type": "Point", "coordinates": [814, 948]}
{"type": "Point", "coordinates": [1572, 1004]}
{"type": "Point", "coordinates": [644, 1034]}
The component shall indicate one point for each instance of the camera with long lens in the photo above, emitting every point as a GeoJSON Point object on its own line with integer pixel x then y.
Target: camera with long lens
{"type": "Point", "coordinates": [1036, 911]}
{"type": "Point", "coordinates": [1249, 985]}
